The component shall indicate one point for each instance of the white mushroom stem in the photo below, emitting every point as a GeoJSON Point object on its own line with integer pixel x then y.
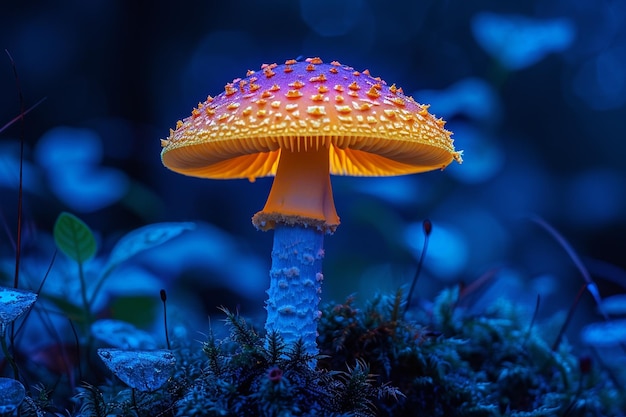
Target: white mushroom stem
{"type": "Point", "coordinates": [296, 285]}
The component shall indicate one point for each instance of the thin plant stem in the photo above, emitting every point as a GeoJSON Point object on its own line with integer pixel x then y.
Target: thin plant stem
{"type": "Point", "coordinates": [20, 192]}
{"type": "Point", "coordinates": [569, 316]}
{"type": "Point", "coordinates": [532, 321]}
{"type": "Point", "coordinates": [21, 115]}
{"type": "Point", "coordinates": [100, 282]}
{"type": "Point", "coordinates": [87, 316]}
{"type": "Point", "coordinates": [164, 300]}
{"type": "Point", "coordinates": [5, 350]}
{"type": "Point", "coordinates": [83, 293]}
{"type": "Point", "coordinates": [132, 391]}
{"type": "Point", "coordinates": [18, 243]}
{"type": "Point", "coordinates": [77, 341]}
{"type": "Point", "coordinates": [427, 227]}
{"type": "Point", "coordinates": [38, 292]}
{"type": "Point", "coordinates": [589, 285]}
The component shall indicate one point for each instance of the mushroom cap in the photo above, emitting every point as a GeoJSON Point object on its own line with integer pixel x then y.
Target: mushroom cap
{"type": "Point", "coordinates": [369, 127]}
{"type": "Point", "coordinates": [12, 394]}
{"type": "Point", "coordinates": [13, 303]}
{"type": "Point", "coordinates": [143, 370]}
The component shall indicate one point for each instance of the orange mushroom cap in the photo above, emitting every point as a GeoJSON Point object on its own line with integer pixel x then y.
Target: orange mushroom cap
{"type": "Point", "coordinates": [302, 121]}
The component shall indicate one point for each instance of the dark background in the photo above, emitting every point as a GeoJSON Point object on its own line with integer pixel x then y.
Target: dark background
{"type": "Point", "coordinates": [543, 135]}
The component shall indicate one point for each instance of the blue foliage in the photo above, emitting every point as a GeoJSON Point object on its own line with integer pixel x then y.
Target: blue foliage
{"type": "Point", "coordinates": [472, 97]}
{"type": "Point", "coordinates": [605, 334]}
{"type": "Point", "coordinates": [70, 158]}
{"type": "Point", "coordinates": [145, 238]}
{"type": "Point", "coordinates": [517, 41]}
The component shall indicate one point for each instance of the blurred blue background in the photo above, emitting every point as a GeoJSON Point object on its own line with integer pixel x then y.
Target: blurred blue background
{"type": "Point", "coordinates": [534, 91]}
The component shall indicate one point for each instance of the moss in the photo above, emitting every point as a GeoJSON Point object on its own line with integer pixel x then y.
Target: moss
{"type": "Point", "coordinates": [376, 362]}
{"type": "Point", "coordinates": [450, 363]}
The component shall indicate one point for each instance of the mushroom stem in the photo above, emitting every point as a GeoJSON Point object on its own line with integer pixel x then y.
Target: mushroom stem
{"type": "Point", "coordinates": [300, 208]}
{"type": "Point", "coordinates": [295, 285]}
{"type": "Point", "coordinates": [301, 193]}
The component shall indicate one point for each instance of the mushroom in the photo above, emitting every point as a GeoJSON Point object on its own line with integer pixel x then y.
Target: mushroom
{"type": "Point", "coordinates": [143, 370]}
{"type": "Point", "coordinates": [12, 393]}
{"type": "Point", "coordinates": [300, 122]}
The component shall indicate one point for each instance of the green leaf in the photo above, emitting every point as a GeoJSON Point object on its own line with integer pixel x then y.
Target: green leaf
{"type": "Point", "coordinates": [74, 238]}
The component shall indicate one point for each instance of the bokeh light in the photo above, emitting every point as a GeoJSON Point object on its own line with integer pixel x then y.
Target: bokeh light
{"type": "Point", "coordinates": [70, 159]}
{"type": "Point", "coordinates": [518, 41]}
